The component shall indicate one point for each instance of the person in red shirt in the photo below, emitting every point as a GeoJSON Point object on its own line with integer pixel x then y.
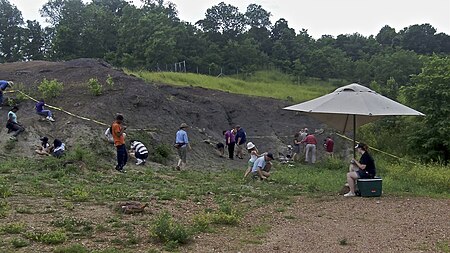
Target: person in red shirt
{"type": "Point", "coordinates": [117, 131]}
{"type": "Point", "coordinates": [329, 145]}
{"type": "Point", "coordinates": [311, 142]}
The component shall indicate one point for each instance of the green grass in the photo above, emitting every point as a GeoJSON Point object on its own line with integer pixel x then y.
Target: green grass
{"type": "Point", "coordinates": [98, 185]}
{"type": "Point", "coordinates": [264, 84]}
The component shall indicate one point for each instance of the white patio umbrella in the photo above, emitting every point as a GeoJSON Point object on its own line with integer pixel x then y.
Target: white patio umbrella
{"type": "Point", "coordinates": [351, 106]}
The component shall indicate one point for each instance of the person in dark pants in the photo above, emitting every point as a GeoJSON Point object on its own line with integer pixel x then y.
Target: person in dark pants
{"type": "Point", "coordinates": [117, 130]}
{"type": "Point", "coordinates": [230, 142]}
{"type": "Point", "coordinates": [364, 169]}
{"type": "Point", "coordinates": [241, 139]}
{"type": "Point", "coordinates": [3, 85]}
{"type": "Point", "coordinates": [13, 125]}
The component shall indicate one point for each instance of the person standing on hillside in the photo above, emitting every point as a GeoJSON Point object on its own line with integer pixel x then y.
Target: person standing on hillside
{"type": "Point", "coordinates": [13, 125]}
{"type": "Point", "coordinates": [311, 142]}
{"type": "Point", "coordinates": [230, 141]}
{"type": "Point", "coordinates": [296, 142]}
{"type": "Point", "coordinates": [182, 143]}
{"type": "Point", "coordinates": [41, 111]}
{"type": "Point", "coordinates": [329, 146]}
{"type": "Point", "coordinates": [240, 140]}
{"type": "Point", "coordinates": [3, 85]}
{"type": "Point", "coordinates": [117, 130]}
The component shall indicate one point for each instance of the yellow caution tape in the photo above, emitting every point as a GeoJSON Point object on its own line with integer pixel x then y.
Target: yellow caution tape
{"type": "Point", "coordinates": [381, 151]}
{"type": "Point", "coordinates": [78, 116]}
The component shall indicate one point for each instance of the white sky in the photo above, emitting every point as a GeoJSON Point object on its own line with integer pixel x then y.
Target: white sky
{"type": "Point", "coordinates": [332, 17]}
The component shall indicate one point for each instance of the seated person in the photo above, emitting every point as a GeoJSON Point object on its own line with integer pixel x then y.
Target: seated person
{"type": "Point", "coordinates": [44, 148]}
{"type": "Point", "coordinates": [12, 124]}
{"type": "Point", "coordinates": [365, 168]}
{"type": "Point", "coordinates": [221, 148]}
{"type": "Point", "coordinates": [140, 152]}
{"type": "Point", "coordinates": [41, 111]}
{"type": "Point", "coordinates": [58, 148]}
{"type": "Point", "coordinates": [262, 166]}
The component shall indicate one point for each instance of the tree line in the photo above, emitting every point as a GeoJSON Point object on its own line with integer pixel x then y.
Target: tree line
{"type": "Point", "coordinates": [227, 41]}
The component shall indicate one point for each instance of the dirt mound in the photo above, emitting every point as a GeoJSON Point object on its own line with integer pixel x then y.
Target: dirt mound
{"type": "Point", "coordinates": [150, 106]}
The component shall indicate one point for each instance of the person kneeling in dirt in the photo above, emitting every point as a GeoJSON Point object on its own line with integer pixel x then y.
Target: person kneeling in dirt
{"type": "Point", "coordinates": [58, 148]}
{"type": "Point", "coordinates": [139, 151]}
{"type": "Point", "coordinates": [364, 169]}
{"type": "Point", "coordinates": [221, 148]}
{"type": "Point", "coordinates": [41, 111]}
{"type": "Point", "coordinates": [44, 148]}
{"type": "Point", "coordinates": [261, 167]}
{"type": "Point", "coordinates": [13, 125]}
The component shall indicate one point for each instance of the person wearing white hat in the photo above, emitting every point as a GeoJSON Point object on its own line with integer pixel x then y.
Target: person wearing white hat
{"type": "Point", "coordinates": [251, 148]}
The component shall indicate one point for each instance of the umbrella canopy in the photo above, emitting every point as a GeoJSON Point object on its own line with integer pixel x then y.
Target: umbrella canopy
{"type": "Point", "coordinates": [351, 106]}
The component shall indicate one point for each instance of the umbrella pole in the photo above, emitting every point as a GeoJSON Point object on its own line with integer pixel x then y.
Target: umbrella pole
{"type": "Point", "coordinates": [354, 135]}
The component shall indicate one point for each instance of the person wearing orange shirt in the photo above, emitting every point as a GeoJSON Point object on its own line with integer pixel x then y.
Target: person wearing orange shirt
{"type": "Point", "coordinates": [117, 131]}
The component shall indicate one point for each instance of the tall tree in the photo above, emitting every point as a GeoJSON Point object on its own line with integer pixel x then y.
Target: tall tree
{"type": "Point", "coordinates": [34, 45]}
{"type": "Point", "coordinates": [223, 19]}
{"type": "Point", "coordinates": [430, 135]}
{"type": "Point", "coordinates": [10, 32]}
{"type": "Point", "coordinates": [386, 36]}
{"type": "Point", "coordinates": [419, 38]}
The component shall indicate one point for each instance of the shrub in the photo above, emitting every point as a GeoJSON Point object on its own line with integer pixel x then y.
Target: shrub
{"type": "Point", "coordinates": [95, 87]}
{"type": "Point", "coordinates": [161, 154]}
{"type": "Point", "coordinates": [19, 243]}
{"type": "Point", "coordinates": [55, 237]}
{"type": "Point", "coordinates": [13, 228]}
{"type": "Point", "coordinates": [110, 81]}
{"type": "Point", "coordinates": [76, 248]}
{"type": "Point", "coordinates": [50, 89]}
{"type": "Point", "coordinates": [5, 191]}
{"type": "Point", "coordinates": [167, 231]}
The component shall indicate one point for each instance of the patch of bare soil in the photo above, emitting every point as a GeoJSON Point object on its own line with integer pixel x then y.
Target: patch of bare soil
{"type": "Point", "coordinates": [338, 224]}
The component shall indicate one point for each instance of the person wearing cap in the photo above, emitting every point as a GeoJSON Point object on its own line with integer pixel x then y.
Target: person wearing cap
{"type": "Point", "coordinates": [230, 141]}
{"type": "Point", "coordinates": [41, 111]}
{"type": "Point", "coordinates": [251, 148]}
{"type": "Point", "coordinates": [13, 125]}
{"type": "Point", "coordinates": [310, 149]}
{"type": "Point", "coordinates": [3, 85]}
{"type": "Point", "coordinates": [182, 143]}
{"type": "Point", "coordinates": [44, 148]}
{"type": "Point", "coordinates": [117, 131]}
{"type": "Point", "coordinates": [261, 167]}
{"type": "Point", "coordinates": [240, 140]}
{"type": "Point", "coordinates": [365, 168]}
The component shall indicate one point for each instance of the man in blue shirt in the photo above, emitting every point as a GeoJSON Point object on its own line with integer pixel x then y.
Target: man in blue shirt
{"type": "Point", "coordinates": [3, 85]}
{"type": "Point", "coordinates": [262, 165]}
{"type": "Point", "coordinates": [12, 124]}
{"type": "Point", "coordinates": [182, 143]}
{"type": "Point", "coordinates": [241, 139]}
{"type": "Point", "coordinates": [41, 111]}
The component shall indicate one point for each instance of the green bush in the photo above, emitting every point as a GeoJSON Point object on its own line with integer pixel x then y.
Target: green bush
{"type": "Point", "coordinates": [5, 190]}
{"type": "Point", "coordinates": [110, 81]}
{"type": "Point", "coordinates": [95, 87]}
{"type": "Point", "coordinates": [55, 237]}
{"type": "Point", "coordinates": [50, 89]}
{"type": "Point", "coordinates": [168, 231]}
{"type": "Point", "coordinates": [13, 228]}
{"type": "Point", "coordinates": [76, 248]}
{"type": "Point", "coordinates": [161, 154]}
{"type": "Point", "coordinates": [19, 243]}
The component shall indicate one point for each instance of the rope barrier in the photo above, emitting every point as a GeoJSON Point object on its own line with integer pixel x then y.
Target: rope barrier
{"type": "Point", "coordinates": [378, 150]}
{"type": "Point", "coordinates": [78, 116]}
{"type": "Point", "coordinates": [155, 130]}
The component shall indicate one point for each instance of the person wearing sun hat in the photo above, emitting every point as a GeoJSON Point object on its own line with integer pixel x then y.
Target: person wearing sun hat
{"type": "Point", "coordinates": [364, 169]}
{"type": "Point", "coordinates": [182, 143]}
{"type": "Point", "coordinates": [251, 148]}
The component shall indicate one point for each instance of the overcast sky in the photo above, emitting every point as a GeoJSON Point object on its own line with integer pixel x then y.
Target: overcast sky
{"type": "Point", "coordinates": [332, 17]}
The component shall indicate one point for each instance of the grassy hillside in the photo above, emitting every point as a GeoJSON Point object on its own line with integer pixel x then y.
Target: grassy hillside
{"type": "Point", "coordinates": [265, 84]}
